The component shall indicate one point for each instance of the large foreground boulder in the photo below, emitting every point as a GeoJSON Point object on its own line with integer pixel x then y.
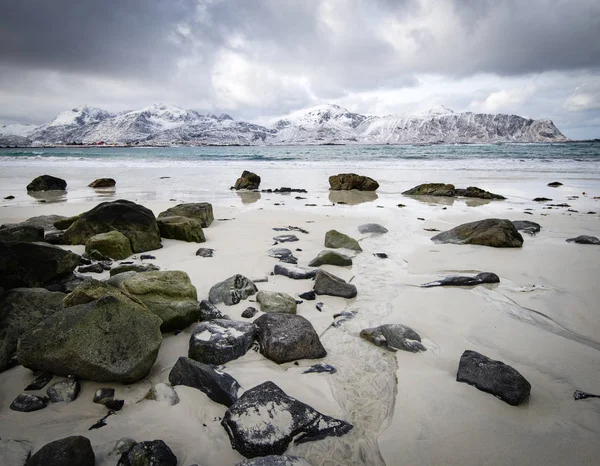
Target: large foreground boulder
{"type": "Point", "coordinates": [113, 244]}
{"type": "Point", "coordinates": [248, 180]}
{"type": "Point", "coordinates": [335, 239]}
{"type": "Point", "coordinates": [200, 211]}
{"type": "Point", "coordinates": [168, 294]}
{"type": "Point", "coordinates": [265, 420]}
{"type": "Point", "coordinates": [394, 337]}
{"type": "Point", "coordinates": [329, 284]}
{"type": "Point", "coordinates": [20, 232]}
{"type": "Point", "coordinates": [107, 340]}
{"type": "Point", "coordinates": [47, 183]}
{"type": "Point", "coordinates": [34, 265]}
{"type": "Point", "coordinates": [232, 290]}
{"type": "Point", "coordinates": [273, 301]}
{"type": "Point", "coordinates": [287, 337]}
{"type": "Point", "coordinates": [494, 232]}
{"type": "Point", "coordinates": [493, 377]}
{"type": "Point", "coordinates": [22, 310]}
{"type": "Point", "coordinates": [347, 181]}
{"type": "Point", "coordinates": [181, 228]}
{"type": "Point", "coordinates": [219, 341]}
{"type": "Point", "coordinates": [135, 221]}
{"type": "Point", "coordinates": [72, 451]}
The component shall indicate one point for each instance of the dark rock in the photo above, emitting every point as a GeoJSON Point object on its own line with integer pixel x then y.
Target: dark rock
{"type": "Point", "coordinates": [27, 403]}
{"type": "Point", "coordinates": [66, 390]}
{"type": "Point", "coordinates": [218, 386]}
{"type": "Point", "coordinates": [104, 340]}
{"type": "Point", "coordinates": [335, 239]}
{"type": "Point", "coordinates": [308, 295]}
{"type": "Point", "coordinates": [287, 337]}
{"type": "Point", "coordinates": [92, 290]}
{"type": "Point", "coordinates": [135, 221]}
{"type": "Point", "coordinates": [54, 237]}
{"type": "Point", "coordinates": [320, 368]}
{"type": "Point", "coordinates": [181, 228]}
{"type": "Point", "coordinates": [102, 183]}
{"type": "Point", "coordinates": [328, 284]}
{"type": "Point", "coordinates": [319, 307]}
{"type": "Point", "coordinates": [283, 254]}
{"type": "Point", "coordinates": [20, 232]}
{"type": "Point", "coordinates": [154, 453]}
{"type": "Point", "coordinates": [104, 395]}
{"type": "Point", "coordinates": [584, 239]}
{"type": "Point", "coordinates": [34, 264]}
{"type": "Point", "coordinates": [9, 198]}
{"type": "Point", "coordinates": [208, 311]}
{"type": "Point", "coordinates": [112, 244]}
{"type": "Point", "coordinates": [372, 228]}
{"type": "Point", "coordinates": [275, 460]}
{"type": "Point", "coordinates": [493, 232]}
{"type": "Point", "coordinates": [147, 257]}
{"type": "Point", "coordinates": [555, 184]}
{"type": "Point", "coordinates": [21, 311]}
{"type": "Point", "coordinates": [285, 238]}
{"type": "Point", "coordinates": [114, 405]}
{"type": "Point", "coordinates": [248, 180]}
{"type": "Point", "coordinates": [232, 290]}
{"type": "Point", "coordinates": [220, 341]}
{"type": "Point", "coordinates": [296, 272]}
{"type": "Point", "coordinates": [493, 377]}
{"type": "Point", "coordinates": [265, 420]}
{"type": "Point", "coordinates": [483, 277]}
{"type": "Point", "coordinates": [40, 381]}
{"type": "Point", "coordinates": [343, 317]}
{"type": "Point", "coordinates": [531, 228]}
{"type": "Point", "coordinates": [249, 312]}
{"type": "Point", "coordinates": [542, 199]}
{"type": "Point", "coordinates": [205, 252]}
{"type": "Point", "coordinates": [72, 451]}
{"type": "Point", "coordinates": [432, 189]}
{"type": "Point", "coordinates": [200, 211]}
{"type": "Point", "coordinates": [579, 395]}
{"type": "Point", "coordinates": [92, 268]}
{"type": "Point", "coordinates": [119, 269]}
{"type": "Point", "coordinates": [272, 301]}
{"type": "Point", "coordinates": [381, 255]}
{"type": "Point", "coordinates": [47, 183]}
{"type": "Point", "coordinates": [64, 222]}
{"type": "Point", "coordinates": [328, 257]}
{"type": "Point", "coordinates": [394, 337]}
{"type": "Point", "coordinates": [478, 193]}
{"type": "Point", "coordinates": [101, 422]}
{"type": "Point", "coordinates": [347, 181]}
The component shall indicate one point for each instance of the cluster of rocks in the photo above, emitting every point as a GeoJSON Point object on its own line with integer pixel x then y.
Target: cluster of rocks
{"type": "Point", "coordinates": [449, 190]}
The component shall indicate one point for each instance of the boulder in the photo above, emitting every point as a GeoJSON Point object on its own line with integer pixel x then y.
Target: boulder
{"type": "Point", "coordinates": [328, 284]}
{"type": "Point", "coordinates": [249, 312]}
{"type": "Point", "coordinates": [181, 228]}
{"type": "Point", "coordinates": [272, 301]}
{"type": "Point", "coordinates": [137, 268]}
{"type": "Point", "coordinates": [200, 211]}
{"type": "Point", "coordinates": [287, 337]}
{"type": "Point", "coordinates": [492, 232]}
{"type": "Point", "coordinates": [372, 228]}
{"type": "Point", "coordinates": [47, 183]}
{"type": "Point", "coordinates": [22, 310]}
{"type": "Point", "coordinates": [208, 311]}
{"type": "Point", "coordinates": [65, 390]}
{"type": "Point", "coordinates": [265, 420]}
{"type": "Point", "coordinates": [103, 183]}
{"type": "Point", "coordinates": [483, 277]}
{"type": "Point", "coordinates": [105, 340]}
{"type": "Point", "coordinates": [205, 252]}
{"type": "Point", "coordinates": [149, 453]}
{"type": "Point", "coordinates": [27, 403]}
{"type": "Point", "coordinates": [335, 239]}
{"type": "Point", "coordinates": [327, 257]}
{"type": "Point", "coordinates": [91, 290]}
{"type": "Point", "coordinates": [220, 341]}
{"type": "Point", "coordinates": [531, 228]}
{"type": "Point", "coordinates": [113, 244]}
{"type": "Point", "coordinates": [72, 451]}
{"type": "Point", "coordinates": [394, 337]}
{"type": "Point", "coordinates": [34, 264]}
{"type": "Point", "coordinates": [168, 294]}
{"type": "Point", "coordinates": [40, 381]}
{"type": "Point", "coordinates": [432, 189]}
{"type": "Point", "coordinates": [248, 180]}
{"type": "Point", "coordinates": [296, 272]}
{"type": "Point", "coordinates": [275, 460]}
{"type": "Point", "coordinates": [104, 395]}
{"type": "Point", "coordinates": [584, 239]}
{"type": "Point", "coordinates": [218, 386]}
{"type": "Point", "coordinates": [92, 268]}
{"type": "Point", "coordinates": [347, 181]}
{"type": "Point", "coordinates": [473, 191]}
{"type": "Point", "coordinates": [135, 221]}
{"type": "Point", "coordinates": [20, 232]}
{"type": "Point", "coordinates": [232, 290]}
{"type": "Point", "coordinates": [493, 377]}
{"type": "Point", "coordinates": [14, 452]}
{"type": "Point", "coordinates": [283, 254]}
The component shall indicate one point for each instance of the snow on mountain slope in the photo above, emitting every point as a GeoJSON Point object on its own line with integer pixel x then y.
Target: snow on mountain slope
{"type": "Point", "coordinates": [17, 129]}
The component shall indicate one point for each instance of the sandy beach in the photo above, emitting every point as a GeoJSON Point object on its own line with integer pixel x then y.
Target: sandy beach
{"type": "Point", "coordinates": [541, 319]}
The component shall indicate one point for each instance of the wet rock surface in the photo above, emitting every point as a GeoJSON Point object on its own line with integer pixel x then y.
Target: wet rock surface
{"type": "Point", "coordinates": [26, 403]}
{"type": "Point", "coordinates": [47, 183]}
{"type": "Point", "coordinates": [480, 278]}
{"type": "Point", "coordinates": [394, 337]}
{"type": "Point", "coordinates": [72, 451]}
{"type": "Point", "coordinates": [531, 228]}
{"type": "Point", "coordinates": [584, 239]}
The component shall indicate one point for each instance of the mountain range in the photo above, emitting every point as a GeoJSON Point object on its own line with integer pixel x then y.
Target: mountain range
{"type": "Point", "coordinates": [168, 125]}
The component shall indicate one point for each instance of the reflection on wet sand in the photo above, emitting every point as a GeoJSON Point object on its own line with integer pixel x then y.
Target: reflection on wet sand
{"type": "Point", "coordinates": [476, 202]}
{"type": "Point", "coordinates": [105, 192]}
{"type": "Point", "coordinates": [48, 196]}
{"type": "Point", "coordinates": [248, 197]}
{"type": "Point", "coordinates": [441, 200]}
{"type": "Point", "coordinates": [352, 197]}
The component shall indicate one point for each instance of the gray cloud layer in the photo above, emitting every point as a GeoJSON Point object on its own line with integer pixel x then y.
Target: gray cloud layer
{"type": "Point", "coordinates": [267, 57]}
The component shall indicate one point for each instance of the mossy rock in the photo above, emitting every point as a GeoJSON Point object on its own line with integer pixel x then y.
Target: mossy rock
{"type": "Point", "coordinates": [113, 244]}
{"type": "Point", "coordinates": [65, 223]}
{"type": "Point", "coordinates": [200, 211]}
{"type": "Point", "coordinates": [272, 301]}
{"type": "Point", "coordinates": [327, 257]}
{"type": "Point", "coordinates": [432, 189]}
{"type": "Point", "coordinates": [335, 239]}
{"type": "Point", "coordinates": [347, 181]}
{"type": "Point", "coordinates": [181, 228]}
{"type": "Point", "coordinates": [91, 290]}
{"type": "Point", "coordinates": [494, 232]}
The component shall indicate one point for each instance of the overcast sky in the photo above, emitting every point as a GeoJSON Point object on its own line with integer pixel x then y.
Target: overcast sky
{"type": "Point", "coordinates": [260, 59]}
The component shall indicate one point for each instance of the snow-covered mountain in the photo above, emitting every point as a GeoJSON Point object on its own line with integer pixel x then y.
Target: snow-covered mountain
{"type": "Point", "coordinates": [161, 124]}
